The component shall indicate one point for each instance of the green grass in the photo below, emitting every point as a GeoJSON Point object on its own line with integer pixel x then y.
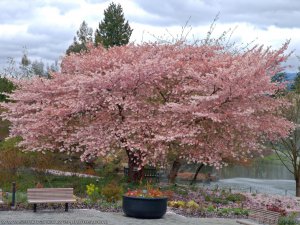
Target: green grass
{"type": "Point", "coordinates": [29, 179]}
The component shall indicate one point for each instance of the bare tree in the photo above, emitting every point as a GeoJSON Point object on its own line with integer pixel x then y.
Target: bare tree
{"type": "Point", "coordinates": [288, 149]}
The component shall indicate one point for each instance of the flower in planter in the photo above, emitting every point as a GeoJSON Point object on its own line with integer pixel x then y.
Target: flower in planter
{"type": "Point", "coordinates": [146, 193]}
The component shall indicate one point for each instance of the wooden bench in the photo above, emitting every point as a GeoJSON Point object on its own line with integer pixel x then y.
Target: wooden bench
{"type": "Point", "coordinates": [262, 216]}
{"type": "Point", "coordinates": [148, 173]}
{"type": "Point", "coordinates": [50, 195]}
{"type": "Point", "coordinates": [1, 201]}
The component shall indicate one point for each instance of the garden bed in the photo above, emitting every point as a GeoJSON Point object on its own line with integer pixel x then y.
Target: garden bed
{"type": "Point", "coordinates": [184, 200]}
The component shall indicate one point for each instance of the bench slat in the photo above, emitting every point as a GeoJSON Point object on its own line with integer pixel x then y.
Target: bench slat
{"type": "Point", "coordinates": [52, 201]}
{"type": "Point", "coordinates": [49, 195]}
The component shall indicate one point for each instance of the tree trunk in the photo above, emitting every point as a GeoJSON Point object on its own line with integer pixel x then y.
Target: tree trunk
{"type": "Point", "coordinates": [196, 174]}
{"type": "Point", "coordinates": [297, 187]}
{"type": "Point", "coordinates": [135, 175]}
{"type": "Point", "coordinates": [174, 171]}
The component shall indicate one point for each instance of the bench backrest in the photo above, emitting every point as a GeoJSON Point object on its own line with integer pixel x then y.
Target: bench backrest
{"type": "Point", "coordinates": [148, 172]}
{"type": "Point", "coordinates": [50, 194]}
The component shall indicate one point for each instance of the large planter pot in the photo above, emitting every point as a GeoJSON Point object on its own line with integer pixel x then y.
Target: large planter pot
{"type": "Point", "coordinates": [146, 208]}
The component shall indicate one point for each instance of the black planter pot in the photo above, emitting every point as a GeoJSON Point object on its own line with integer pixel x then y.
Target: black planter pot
{"type": "Point", "coordinates": [146, 208]}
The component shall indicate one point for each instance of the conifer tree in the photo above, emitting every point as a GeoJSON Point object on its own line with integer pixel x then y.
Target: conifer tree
{"type": "Point", "coordinates": [296, 85]}
{"type": "Point", "coordinates": [113, 30]}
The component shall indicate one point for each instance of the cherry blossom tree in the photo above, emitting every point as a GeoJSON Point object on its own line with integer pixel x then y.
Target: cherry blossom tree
{"type": "Point", "coordinates": [204, 102]}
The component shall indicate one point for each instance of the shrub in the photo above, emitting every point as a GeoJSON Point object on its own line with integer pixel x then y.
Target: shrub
{"type": "Point", "coordinates": [112, 192]}
{"type": "Point", "coordinates": [39, 185]}
{"type": "Point", "coordinates": [288, 220]}
{"type": "Point", "coordinates": [207, 198]}
{"type": "Point", "coordinates": [192, 205]}
{"type": "Point", "coordinates": [90, 171]}
{"type": "Point", "coordinates": [169, 194]}
{"type": "Point", "coordinates": [235, 211]}
{"type": "Point", "coordinates": [12, 158]}
{"type": "Point", "coordinates": [219, 200]}
{"type": "Point", "coordinates": [182, 192]}
{"type": "Point", "coordinates": [236, 197]}
{"type": "Point", "coordinates": [210, 208]}
{"type": "Point", "coordinates": [93, 192]}
{"type": "Point", "coordinates": [224, 211]}
{"type": "Point", "coordinates": [240, 211]}
{"type": "Point", "coordinates": [177, 204]}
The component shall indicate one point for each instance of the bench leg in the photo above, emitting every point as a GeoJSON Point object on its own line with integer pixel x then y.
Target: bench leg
{"type": "Point", "coordinates": [66, 207]}
{"type": "Point", "coordinates": [34, 207]}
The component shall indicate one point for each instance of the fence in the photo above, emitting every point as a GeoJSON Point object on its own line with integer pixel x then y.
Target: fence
{"type": "Point", "coordinates": [249, 189]}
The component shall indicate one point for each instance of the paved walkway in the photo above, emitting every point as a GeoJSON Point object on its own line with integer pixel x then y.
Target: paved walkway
{"type": "Point", "coordinates": [97, 217]}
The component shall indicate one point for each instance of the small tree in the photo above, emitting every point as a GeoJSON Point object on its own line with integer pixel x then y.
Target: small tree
{"type": "Point", "coordinates": [279, 77]}
{"type": "Point", "coordinates": [6, 86]}
{"type": "Point", "coordinates": [296, 85]}
{"type": "Point", "coordinates": [113, 30]}
{"type": "Point", "coordinates": [25, 65]}
{"type": "Point", "coordinates": [288, 149]}
{"type": "Point", "coordinates": [38, 68]}
{"type": "Point", "coordinates": [84, 35]}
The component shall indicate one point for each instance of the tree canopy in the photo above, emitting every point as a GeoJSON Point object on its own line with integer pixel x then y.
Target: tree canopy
{"type": "Point", "coordinates": [207, 101]}
{"type": "Point", "coordinates": [113, 30]}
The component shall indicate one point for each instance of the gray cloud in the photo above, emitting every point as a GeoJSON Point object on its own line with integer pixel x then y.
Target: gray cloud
{"type": "Point", "coordinates": [47, 36]}
{"type": "Point", "coordinates": [44, 39]}
{"type": "Point", "coordinates": [95, 1]}
{"type": "Point", "coordinates": [281, 13]}
{"type": "Point", "coordinates": [15, 11]}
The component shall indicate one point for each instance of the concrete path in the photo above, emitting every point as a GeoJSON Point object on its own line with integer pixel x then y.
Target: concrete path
{"type": "Point", "coordinates": [97, 217]}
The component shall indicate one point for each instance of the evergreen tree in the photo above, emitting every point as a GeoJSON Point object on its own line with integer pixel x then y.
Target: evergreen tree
{"type": "Point", "coordinates": [54, 67]}
{"type": "Point", "coordinates": [6, 86]}
{"type": "Point", "coordinates": [113, 30]}
{"type": "Point", "coordinates": [25, 65]}
{"type": "Point", "coordinates": [38, 68]}
{"type": "Point", "coordinates": [279, 77]}
{"type": "Point", "coordinates": [84, 35]}
{"type": "Point", "coordinates": [296, 85]}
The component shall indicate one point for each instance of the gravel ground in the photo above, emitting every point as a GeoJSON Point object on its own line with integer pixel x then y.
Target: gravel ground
{"type": "Point", "coordinates": [96, 217]}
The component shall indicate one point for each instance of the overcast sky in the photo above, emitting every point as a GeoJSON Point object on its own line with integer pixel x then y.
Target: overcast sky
{"type": "Point", "coordinates": [47, 27]}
